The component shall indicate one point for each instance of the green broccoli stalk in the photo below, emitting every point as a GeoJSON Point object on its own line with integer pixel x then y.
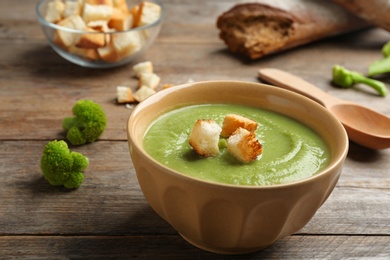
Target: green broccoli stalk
{"type": "Point", "coordinates": [386, 50]}
{"type": "Point", "coordinates": [381, 66]}
{"type": "Point", "coordinates": [346, 79]}
{"type": "Point", "coordinates": [88, 123]}
{"type": "Point", "coordinates": [60, 166]}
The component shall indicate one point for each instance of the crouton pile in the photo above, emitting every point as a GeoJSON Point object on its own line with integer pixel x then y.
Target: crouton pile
{"type": "Point", "coordinates": [148, 81]}
{"type": "Point", "coordinates": [239, 131]}
{"type": "Point", "coordinates": [101, 17]}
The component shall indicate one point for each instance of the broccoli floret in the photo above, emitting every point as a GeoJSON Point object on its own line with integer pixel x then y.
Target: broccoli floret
{"type": "Point", "coordinates": [346, 78]}
{"type": "Point", "coordinates": [60, 166]}
{"type": "Point", "coordinates": [88, 123]}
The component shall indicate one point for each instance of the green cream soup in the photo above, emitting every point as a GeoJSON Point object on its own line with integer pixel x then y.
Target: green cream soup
{"type": "Point", "coordinates": [291, 150]}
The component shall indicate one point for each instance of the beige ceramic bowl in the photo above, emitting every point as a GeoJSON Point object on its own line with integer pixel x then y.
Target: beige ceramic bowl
{"type": "Point", "coordinates": [225, 218]}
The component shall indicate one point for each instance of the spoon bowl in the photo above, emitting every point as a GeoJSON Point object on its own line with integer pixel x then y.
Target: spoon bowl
{"type": "Point", "coordinates": [364, 126]}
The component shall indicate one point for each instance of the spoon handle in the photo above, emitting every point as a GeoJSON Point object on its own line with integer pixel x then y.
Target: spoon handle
{"type": "Point", "coordinates": [288, 81]}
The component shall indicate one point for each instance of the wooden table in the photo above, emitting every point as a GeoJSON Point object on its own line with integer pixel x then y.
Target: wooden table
{"type": "Point", "coordinates": [108, 217]}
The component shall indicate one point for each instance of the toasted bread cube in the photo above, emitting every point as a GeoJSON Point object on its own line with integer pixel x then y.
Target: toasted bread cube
{"type": "Point", "coordinates": [74, 22]}
{"type": "Point", "coordinates": [67, 39]}
{"type": "Point", "coordinates": [204, 137]}
{"type": "Point", "coordinates": [55, 11]}
{"type": "Point", "coordinates": [99, 25]}
{"type": "Point", "coordinates": [150, 80]}
{"type": "Point", "coordinates": [93, 40]}
{"type": "Point", "coordinates": [148, 13]}
{"type": "Point", "coordinates": [127, 43]}
{"type": "Point", "coordinates": [97, 12]}
{"type": "Point", "coordinates": [244, 145]}
{"type": "Point", "coordinates": [121, 21]}
{"type": "Point", "coordinates": [81, 6]}
{"type": "Point", "coordinates": [124, 94]}
{"type": "Point", "coordinates": [60, 41]}
{"type": "Point", "coordinates": [232, 121]}
{"type": "Point", "coordinates": [108, 53]}
{"type": "Point", "coordinates": [134, 11]}
{"type": "Point", "coordinates": [71, 8]}
{"type": "Point", "coordinates": [142, 67]}
{"type": "Point", "coordinates": [121, 4]}
{"type": "Point", "coordinates": [143, 93]}
{"type": "Point", "coordinates": [90, 54]}
{"type": "Point", "coordinates": [99, 2]}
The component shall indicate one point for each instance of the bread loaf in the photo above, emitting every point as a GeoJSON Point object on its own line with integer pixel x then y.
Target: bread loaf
{"type": "Point", "coordinates": [263, 27]}
{"type": "Point", "coordinates": [374, 11]}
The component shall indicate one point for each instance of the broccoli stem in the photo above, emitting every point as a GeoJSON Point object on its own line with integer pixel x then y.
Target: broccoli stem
{"type": "Point", "coordinates": [386, 50]}
{"type": "Point", "coordinates": [375, 84]}
{"type": "Point", "coordinates": [346, 78]}
{"type": "Point", "coordinates": [379, 67]}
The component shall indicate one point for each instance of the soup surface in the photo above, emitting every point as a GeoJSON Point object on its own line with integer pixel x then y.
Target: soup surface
{"type": "Point", "coordinates": [291, 150]}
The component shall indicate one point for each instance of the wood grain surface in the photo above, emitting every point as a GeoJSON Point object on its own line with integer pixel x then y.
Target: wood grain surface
{"type": "Point", "coordinates": [108, 217]}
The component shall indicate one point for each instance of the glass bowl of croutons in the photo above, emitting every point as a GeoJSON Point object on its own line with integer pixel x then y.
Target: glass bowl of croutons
{"type": "Point", "coordinates": [100, 33]}
{"type": "Point", "coordinates": [235, 166]}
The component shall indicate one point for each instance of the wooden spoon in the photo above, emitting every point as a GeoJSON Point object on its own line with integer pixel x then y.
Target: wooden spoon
{"type": "Point", "coordinates": [364, 126]}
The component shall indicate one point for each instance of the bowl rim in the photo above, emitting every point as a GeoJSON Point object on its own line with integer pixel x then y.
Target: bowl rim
{"type": "Point", "coordinates": [154, 98]}
{"type": "Point", "coordinates": [43, 21]}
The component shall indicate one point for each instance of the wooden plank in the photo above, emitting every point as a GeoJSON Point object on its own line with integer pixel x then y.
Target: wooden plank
{"type": "Point", "coordinates": [108, 217]}
{"type": "Point", "coordinates": [111, 202]}
{"type": "Point", "coordinates": [30, 60]}
{"type": "Point", "coordinates": [41, 95]}
{"type": "Point", "coordinates": [169, 247]}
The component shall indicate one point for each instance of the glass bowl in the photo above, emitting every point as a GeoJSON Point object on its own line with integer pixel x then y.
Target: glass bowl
{"type": "Point", "coordinates": [100, 36]}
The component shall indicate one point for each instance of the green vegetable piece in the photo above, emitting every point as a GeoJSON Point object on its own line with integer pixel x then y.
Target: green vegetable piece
{"type": "Point", "coordinates": [386, 50]}
{"type": "Point", "coordinates": [346, 79]}
{"type": "Point", "coordinates": [222, 143]}
{"type": "Point", "coordinates": [379, 67]}
{"type": "Point", "coordinates": [61, 167]}
{"type": "Point", "coordinates": [88, 123]}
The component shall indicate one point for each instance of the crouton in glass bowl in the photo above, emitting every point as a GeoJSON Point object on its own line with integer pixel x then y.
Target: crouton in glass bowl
{"type": "Point", "coordinates": [100, 33]}
{"type": "Point", "coordinates": [233, 217]}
